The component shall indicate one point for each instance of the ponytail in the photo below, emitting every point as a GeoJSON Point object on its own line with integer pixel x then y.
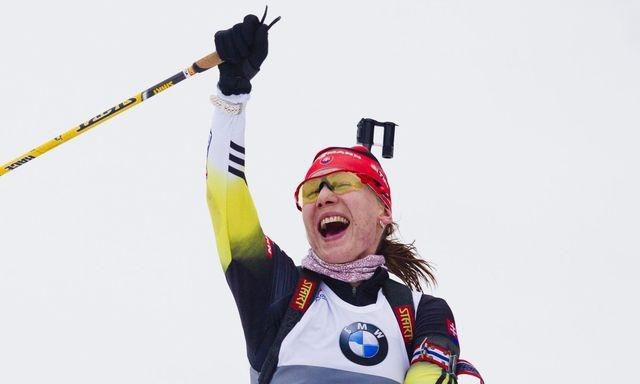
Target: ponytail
{"type": "Point", "coordinates": [403, 260]}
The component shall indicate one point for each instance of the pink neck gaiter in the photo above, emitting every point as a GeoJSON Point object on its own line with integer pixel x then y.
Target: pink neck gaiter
{"type": "Point", "coordinates": [351, 272]}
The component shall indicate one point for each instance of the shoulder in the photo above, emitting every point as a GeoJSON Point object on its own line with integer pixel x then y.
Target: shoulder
{"type": "Point", "coordinates": [433, 304]}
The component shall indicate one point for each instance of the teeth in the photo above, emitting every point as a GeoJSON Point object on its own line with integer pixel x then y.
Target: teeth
{"type": "Point", "coordinates": [332, 219]}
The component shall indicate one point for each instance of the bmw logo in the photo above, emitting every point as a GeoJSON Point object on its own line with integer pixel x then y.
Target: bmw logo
{"type": "Point", "coordinates": [363, 343]}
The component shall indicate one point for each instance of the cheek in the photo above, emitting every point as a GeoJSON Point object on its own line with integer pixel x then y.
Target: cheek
{"type": "Point", "coordinates": [365, 220]}
{"type": "Point", "coordinates": [365, 224]}
{"type": "Point", "coordinates": [307, 219]}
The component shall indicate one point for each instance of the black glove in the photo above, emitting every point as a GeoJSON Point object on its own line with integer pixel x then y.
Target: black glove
{"type": "Point", "coordinates": [234, 44]}
{"type": "Point", "coordinates": [243, 48]}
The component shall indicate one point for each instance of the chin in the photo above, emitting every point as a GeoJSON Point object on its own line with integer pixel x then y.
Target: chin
{"type": "Point", "coordinates": [336, 256]}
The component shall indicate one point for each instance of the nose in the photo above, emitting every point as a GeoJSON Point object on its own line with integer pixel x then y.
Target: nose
{"type": "Point", "coordinates": [325, 196]}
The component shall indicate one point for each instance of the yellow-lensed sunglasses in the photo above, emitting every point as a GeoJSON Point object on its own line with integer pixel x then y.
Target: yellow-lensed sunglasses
{"type": "Point", "coordinates": [338, 182]}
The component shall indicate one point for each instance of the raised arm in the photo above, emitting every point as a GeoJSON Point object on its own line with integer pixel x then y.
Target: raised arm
{"type": "Point", "coordinates": [258, 272]}
{"type": "Point", "coordinates": [239, 236]}
{"type": "Point", "coordinates": [235, 220]}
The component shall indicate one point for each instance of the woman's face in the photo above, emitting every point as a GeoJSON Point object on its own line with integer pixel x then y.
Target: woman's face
{"type": "Point", "coordinates": [342, 228]}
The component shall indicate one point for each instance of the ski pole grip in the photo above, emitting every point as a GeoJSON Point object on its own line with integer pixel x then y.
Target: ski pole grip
{"type": "Point", "coordinates": [207, 62]}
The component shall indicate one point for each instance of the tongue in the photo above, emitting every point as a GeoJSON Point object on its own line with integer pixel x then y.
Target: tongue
{"type": "Point", "coordinates": [335, 228]}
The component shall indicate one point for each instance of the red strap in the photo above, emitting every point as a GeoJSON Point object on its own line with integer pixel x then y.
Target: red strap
{"type": "Point", "coordinates": [400, 299]}
{"type": "Point", "coordinates": [406, 321]}
{"type": "Point", "coordinates": [304, 294]}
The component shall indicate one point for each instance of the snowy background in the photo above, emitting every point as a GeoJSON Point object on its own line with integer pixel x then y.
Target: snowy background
{"type": "Point", "coordinates": [516, 173]}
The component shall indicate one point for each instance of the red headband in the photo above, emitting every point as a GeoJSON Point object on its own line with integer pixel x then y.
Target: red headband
{"type": "Point", "coordinates": [356, 159]}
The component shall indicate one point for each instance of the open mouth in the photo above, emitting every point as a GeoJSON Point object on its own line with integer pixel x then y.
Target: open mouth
{"type": "Point", "coordinates": [332, 226]}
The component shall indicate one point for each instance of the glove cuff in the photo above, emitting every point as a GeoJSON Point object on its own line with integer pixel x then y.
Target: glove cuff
{"type": "Point", "coordinates": [231, 84]}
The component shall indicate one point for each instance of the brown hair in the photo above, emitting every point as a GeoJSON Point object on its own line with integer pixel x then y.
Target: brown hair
{"type": "Point", "coordinates": [403, 260]}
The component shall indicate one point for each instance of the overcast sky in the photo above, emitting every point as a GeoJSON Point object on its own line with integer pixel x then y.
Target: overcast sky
{"type": "Point", "coordinates": [516, 173]}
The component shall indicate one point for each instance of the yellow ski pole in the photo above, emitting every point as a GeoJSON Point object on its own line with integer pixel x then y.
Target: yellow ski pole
{"type": "Point", "coordinates": [201, 65]}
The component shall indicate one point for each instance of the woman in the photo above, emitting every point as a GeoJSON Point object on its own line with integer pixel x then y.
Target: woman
{"type": "Point", "coordinates": [339, 318]}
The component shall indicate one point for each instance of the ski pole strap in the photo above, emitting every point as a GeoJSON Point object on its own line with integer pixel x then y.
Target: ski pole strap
{"type": "Point", "coordinates": [300, 301]}
{"type": "Point", "coordinates": [400, 298]}
{"type": "Point", "coordinates": [463, 367]}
